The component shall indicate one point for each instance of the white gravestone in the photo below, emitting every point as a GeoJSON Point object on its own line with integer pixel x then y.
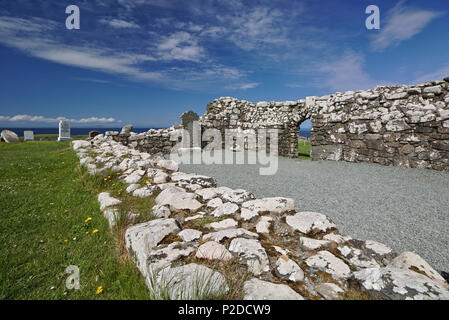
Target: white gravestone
{"type": "Point", "coordinates": [28, 135]}
{"type": "Point", "coordinates": [64, 130]}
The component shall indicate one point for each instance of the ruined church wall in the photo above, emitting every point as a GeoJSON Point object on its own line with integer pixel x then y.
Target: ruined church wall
{"type": "Point", "coordinates": [403, 125]}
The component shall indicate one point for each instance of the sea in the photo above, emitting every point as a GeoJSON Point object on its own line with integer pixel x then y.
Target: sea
{"type": "Point", "coordinates": [85, 131]}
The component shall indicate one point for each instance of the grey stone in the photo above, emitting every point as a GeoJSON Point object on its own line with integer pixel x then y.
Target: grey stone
{"type": "Point", "coordinates": [327, 262]}
{"type": "Point", "coordinates": [141, 238]}
{"type": "Point", "coordinates": [251, 253]}
{"type": "Point", "coordinates": [106, 201]}
{"type": "Point", "coordinates": [329, 291]}
{"type": "Point", "coordinates": [275, 205]}
{"type": "Point", "coordinates": [256, 289]}
{"type": "Point", "coordinates": [229, 234]}
{"type": "Point", "coordinates": [188, 282]}
{"type": "Point", "coordinates": [399, 284]}
{"type": "Point", "coordinates": [307, 222]}
{"type": "Point", "coordinates": [287, 269]}
{"type": "Point", "coordinates": [212, 250]}
{"type": "Point", "coordinates": [190, 234]}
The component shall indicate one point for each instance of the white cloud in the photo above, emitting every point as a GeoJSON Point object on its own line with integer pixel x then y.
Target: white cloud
{"type": "Point", "coordinates": [346, 73]}
{"type": "Point", "coordinates": [119, 24]}
{"type": "Point", "coordinates": [439, 74]}
{"type": "Point", "coordinates": [402, 23]}
{"type": "Point", "coordinates": [256, 27]}
{"type": "Point", "coordinates": [30, 118]}
{"type": "Point", "coordinates": [243, 86]}
{"type": "Point", "coordinates": [34, 39]}
{"type": "Point", "coordinates": [180, 46]}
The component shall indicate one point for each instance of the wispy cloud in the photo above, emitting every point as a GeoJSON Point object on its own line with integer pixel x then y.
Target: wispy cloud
{"type": "Point", "coordinates": [43, 119]}
{"type": "Point", "coordinates": [32, 37]}
{"type": "Point", "coordinates": [243, 86]}
{"type": "Point", "coordinates": [346, 73]}
{"type": "Point", "coordinates": [118, 23]}
{"type": "Point", "coordinates": [402, 23]}
{"type": "Point", "coordinates": [180, 46]}
{"type": "Point", "coordinates": [439, 74]}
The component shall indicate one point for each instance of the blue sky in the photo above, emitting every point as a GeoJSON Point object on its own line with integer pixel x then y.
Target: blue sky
{"type": "Point", "coordinates": [146, 61]}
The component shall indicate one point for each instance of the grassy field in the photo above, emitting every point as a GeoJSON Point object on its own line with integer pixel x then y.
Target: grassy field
{"type": "Point", "coordinates": [52, 137]}
{"type": "Point", "coordinates": [45, 201]}
{"type": "Point", "coordinates": [304, 150]}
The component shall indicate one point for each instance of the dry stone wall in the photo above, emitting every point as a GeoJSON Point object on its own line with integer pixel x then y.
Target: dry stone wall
{"type": "Point", "coordinates": [403, 125]}
{"type": "Point", "coordinates": [276, 251]}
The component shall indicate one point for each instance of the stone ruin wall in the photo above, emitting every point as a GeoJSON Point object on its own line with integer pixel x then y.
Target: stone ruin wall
{"type": "Point", "coordinates": [403, 125]}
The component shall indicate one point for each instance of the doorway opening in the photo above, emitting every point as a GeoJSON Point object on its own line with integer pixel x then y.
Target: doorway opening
{"type": "Point", "coordinates": [304, 134]}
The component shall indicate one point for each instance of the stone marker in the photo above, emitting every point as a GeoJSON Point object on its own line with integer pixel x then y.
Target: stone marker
{"type": "Point", "coordinates": [28, 135]}
{"type": "Point", "coordinates": [64, 130]}
{"type": "Point", "coordinates": [187, 122]}
{"type": "Point", "coordinates": [9, 136]}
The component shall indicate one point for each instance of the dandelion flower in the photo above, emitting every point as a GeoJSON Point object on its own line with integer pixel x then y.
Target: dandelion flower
{"type": "Point", "coordinates": [66, 240]}
{"type": "Point", "coordinates": [99, 289]}
{"type": "Point", "coordinates": [147, 182]}
{"type": "Point", "coordinates": [88, 219]}
{"type": "Point", "coordinates": [95, 231]}
{"type": "Point", "coordinates": [87, 232]}
{"type": "Point", "coordinates": [105, 179]}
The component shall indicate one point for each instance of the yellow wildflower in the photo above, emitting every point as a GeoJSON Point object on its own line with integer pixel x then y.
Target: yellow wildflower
{"type": "Point", "coordinates": [99, 289]}
{"type": "Point", "coordinates": [87, 232]}
{"type": "Point", "coordinates": [95, 231]}
{"type": "Point", "coordinates": [88, 219]}
{"type": "Point", "coordinates": [105, 179]}
{"type": "Point", "coordinates": [66, 241]}
{"type": "Point", "coordinates": [147, 182]}
{"type": "Point", "coordinates": [113, 184]}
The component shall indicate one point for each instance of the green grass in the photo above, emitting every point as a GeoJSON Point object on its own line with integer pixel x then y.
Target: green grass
{"type": "Point", "coordinates": [44, 201]}
{"type": "Point", "coordinates": [304, 150]}
{"type": "Point", "coordinates": [52, 137]}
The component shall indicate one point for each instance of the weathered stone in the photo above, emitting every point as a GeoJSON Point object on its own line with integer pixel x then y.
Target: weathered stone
{"type": "Point", "coordinates": [215, 203]}
{"type": "Point", "coordinates": [225, 224]}
{"type": "Point", "coordinates": [329, 291]}
{"type": "Point", "coordinates": [141, 238]}
{"type": "Point", "coordinates": [106, 200]}
{"type": "Point", "coordinates": [307, 222]}
{"type": "Point", "coordinates": [313, 244]}
{"type": "Point", "coordinates": [327, 262]}
{"type": "Point", "coordinates": [212, 250]}
{"type": "Point", "coordinates": [127, 129]}
{"type": "Point", "coordinates": [188, 282]}
{"type": "Point", "coordinates": [399, 284]}
{"type": "Point", "coordinates": [80, 144]}
{"type": "Point", "coordinates": [248, 215]}
{"type": "Point", "coordinates": [256, 289]}
{"type": "Point", "coordinates": [251, 253]}
{"type": "Point", "coordinates": [161, 258]}
{"type": "Point", "coordinates": [190, 234]}
{"type": "Point", "coordinates": [225, 209]}
{"type": "Point", "coordinates": [287, 269]}
{"type": "Point", "coordinates": [263, 225]}
{"type": "Point", "coordinates": [276, 205]}
{"type": "Point", "coordinates": [378, 248]}
{"type": "Point", "coordinates": [412, 261]}
{"type": "Point", "coordinates": [229, 234]}
{"type": "Point", "coordinates": [160, 211]}
{"type": "Point", "coordinates": [168, 165]}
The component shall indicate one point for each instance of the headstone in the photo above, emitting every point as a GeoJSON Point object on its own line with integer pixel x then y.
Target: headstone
{"type": "Point", "coordinates": [9, 136]}
{"type": "Point", "coordinates": [93, 134]}
{"type": "Point", "coordinates": [188, 119]}
{"type": "Point", "coordinates": [127, 129]}
{"type": "Point", "coordinates": [28, 135]}
{"type": "Point", "coordinates": [64, 130]}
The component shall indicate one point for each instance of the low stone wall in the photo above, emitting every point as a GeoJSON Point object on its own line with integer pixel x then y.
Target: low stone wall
{"type": "Point", "coordinates": [282, 253]}
{"type": "Point", "coordinates": [154, 141]}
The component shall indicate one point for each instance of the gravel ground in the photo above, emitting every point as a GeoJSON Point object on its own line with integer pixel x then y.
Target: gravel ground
{"type": "Point", "coordinates": [407, 209]}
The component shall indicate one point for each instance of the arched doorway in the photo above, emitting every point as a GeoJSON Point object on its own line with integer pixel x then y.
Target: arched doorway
{"type": "Point", "coordinates": [304, 134]}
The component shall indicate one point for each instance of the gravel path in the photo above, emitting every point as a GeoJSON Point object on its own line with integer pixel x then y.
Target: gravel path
{"type": "Point", "coordinates": [407, 209]}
